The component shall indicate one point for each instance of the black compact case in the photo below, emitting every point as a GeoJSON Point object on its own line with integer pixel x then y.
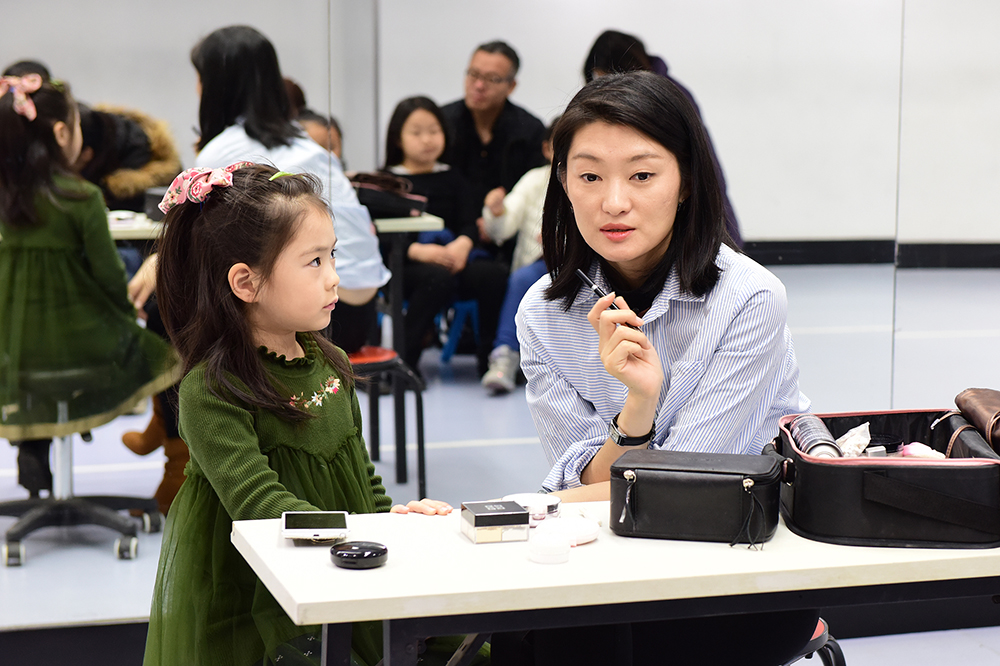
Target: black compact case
{"type": "Point", "coordinates": [695, 496]}
{"type": "Point", "coordinates": [359, 554]}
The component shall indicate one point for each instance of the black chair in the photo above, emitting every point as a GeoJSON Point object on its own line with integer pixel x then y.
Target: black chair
{"type": "Point", "coordinates": [61, 507]}
{"type": "Point", "coordinates": [371, 363]}
{"type": "Point", "coordinates": [823, 645]}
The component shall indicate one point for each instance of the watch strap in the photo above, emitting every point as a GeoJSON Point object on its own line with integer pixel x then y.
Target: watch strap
{"type": "Point", "coordinates": [621, 439]}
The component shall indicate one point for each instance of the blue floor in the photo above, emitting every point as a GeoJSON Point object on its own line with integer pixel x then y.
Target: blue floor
{"type": "Point", "coordinates": [482, 447]}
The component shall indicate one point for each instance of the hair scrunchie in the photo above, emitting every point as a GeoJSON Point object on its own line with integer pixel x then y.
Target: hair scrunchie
{"type": "Point", "coordinates": [21, 87]}
{"type": "Point", "coordinates": [195, 184]}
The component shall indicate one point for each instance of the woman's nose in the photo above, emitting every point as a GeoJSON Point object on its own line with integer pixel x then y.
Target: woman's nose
{"type": "Point", "coordinates": [616, 198]}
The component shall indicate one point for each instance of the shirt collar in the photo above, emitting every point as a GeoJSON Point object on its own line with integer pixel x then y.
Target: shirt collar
{"type": "Point", "coordinates": [661, 304]}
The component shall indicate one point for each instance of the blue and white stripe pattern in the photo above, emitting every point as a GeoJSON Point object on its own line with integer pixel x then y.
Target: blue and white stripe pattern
{"type": "Point", "coordinates": [729, 366]}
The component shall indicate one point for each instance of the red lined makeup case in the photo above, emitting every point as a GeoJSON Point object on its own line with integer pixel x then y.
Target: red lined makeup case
{"type": "Point", "coordinates": [888, 501]}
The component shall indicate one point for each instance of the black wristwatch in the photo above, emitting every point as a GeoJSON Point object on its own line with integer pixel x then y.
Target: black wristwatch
{"type": "Point", "coordinates": [621, 439]}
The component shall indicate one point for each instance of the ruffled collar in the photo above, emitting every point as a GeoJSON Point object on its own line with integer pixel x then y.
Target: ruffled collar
{"type": "Point", "coordinates": [309, 346]}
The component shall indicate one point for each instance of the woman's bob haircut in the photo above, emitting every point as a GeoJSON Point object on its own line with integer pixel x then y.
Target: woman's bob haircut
{"type": "Point", "coordinates": [655, 107]}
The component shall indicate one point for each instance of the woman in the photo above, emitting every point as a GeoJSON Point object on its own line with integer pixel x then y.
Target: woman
{"type": "Point", "coordinates": [698, 357]}
{"type": "Point", "coordinates": [244, 116]}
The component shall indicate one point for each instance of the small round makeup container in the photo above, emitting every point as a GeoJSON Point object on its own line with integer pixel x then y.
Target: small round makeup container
{"type": "Point", "coordinates": [575, 529]}
{"type": "Point", "coordinates": [538, 505]}
{"type": "Point", "coordinates": [359, 554]}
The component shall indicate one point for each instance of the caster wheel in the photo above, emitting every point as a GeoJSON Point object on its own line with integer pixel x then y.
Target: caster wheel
{"type": "Point", "coordinates": [152, 522]}
{"type": "Point", "coordinates": [12, 553]}
{"type": "Point", "coordinates": [127, 547]}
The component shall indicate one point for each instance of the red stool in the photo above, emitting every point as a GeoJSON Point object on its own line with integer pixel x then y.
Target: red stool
{"type": "Point", "coordinates": [371, 363]}
{"type": "Point", "coordinates": [822, 644]}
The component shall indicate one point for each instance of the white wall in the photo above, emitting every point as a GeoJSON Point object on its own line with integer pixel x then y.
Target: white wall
{"type": "Point", "coordinates": [950, 157]}
{"type": "Point", "coordinates": [802, 97]}
{"type": "Point", "coordinates": [136, 53]}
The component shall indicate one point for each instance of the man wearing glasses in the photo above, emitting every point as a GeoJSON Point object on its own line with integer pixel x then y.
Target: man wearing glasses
{"type": "Point", "coordinates": [494, 142]}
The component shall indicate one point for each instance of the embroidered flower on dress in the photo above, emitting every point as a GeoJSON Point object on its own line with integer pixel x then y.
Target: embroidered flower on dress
{"type": "Point", "coordinates": [330, 387]}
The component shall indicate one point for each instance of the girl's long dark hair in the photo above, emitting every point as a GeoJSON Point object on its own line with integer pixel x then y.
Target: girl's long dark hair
{"type": "Point", "coordinates": [393, 135]}
{"type": "Point", "coordinates": [249, 222]}
{"type": "Point", "coordinates": [652, 105]}
{"type": "Point", "coordinates": [240, 77]}
{"type": "Point", "coordinates": [30, 156]}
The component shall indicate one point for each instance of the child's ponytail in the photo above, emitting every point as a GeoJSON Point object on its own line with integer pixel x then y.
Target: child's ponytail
{"type": "Point", "coordinates": [30, 156]}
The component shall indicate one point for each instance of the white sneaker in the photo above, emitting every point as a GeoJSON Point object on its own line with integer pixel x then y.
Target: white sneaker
{"type": "Point", "coordinates": [504, 364]}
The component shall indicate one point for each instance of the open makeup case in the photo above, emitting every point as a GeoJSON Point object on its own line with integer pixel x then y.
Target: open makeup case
{"type": "Point", "coordinates": [952, 502]}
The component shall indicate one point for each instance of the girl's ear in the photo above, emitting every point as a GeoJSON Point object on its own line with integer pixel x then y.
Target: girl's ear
{"type": "Point", "coordinates": [243, 282]}
{"type": "Point", "coordinates": [62, 133]}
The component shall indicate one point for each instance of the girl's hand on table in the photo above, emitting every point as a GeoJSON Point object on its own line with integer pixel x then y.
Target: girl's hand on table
{"type": "Point", "coordinates": [425, 506]}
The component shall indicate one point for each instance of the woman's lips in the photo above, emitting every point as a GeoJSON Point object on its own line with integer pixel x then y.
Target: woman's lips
{"type": "Point", "coordinates": [616, 233]}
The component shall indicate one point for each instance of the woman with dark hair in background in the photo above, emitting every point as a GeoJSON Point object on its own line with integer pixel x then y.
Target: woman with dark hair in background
{"type": "Point", "coordinates": [615, 51]}
{"type": "Point", "coordinates": [440, 265]}
{"type": "Point", "coordinates": [697, 358]}
{"type": "Point", "coordinates": [244, 115]}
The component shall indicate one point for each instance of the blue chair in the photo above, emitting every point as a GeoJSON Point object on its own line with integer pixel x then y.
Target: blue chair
{"type": "Point", "coordinates": [462, 312]}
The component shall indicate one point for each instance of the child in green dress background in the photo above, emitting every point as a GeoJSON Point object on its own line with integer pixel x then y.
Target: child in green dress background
{"type": "Point", "coordinates": [246, 276]}
{"type": "Point", "coordinates": [64, 307]}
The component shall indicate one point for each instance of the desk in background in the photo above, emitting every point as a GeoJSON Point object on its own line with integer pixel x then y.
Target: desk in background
{"type": "Point", "coordinates": [125, 225]}
{"type": "Point", "coordinates": [395, 230]}
{"type": "Point", "coordinates": [437, 582]}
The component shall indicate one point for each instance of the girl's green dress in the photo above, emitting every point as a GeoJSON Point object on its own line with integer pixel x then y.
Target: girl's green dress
{"type": "Point", "coordinates": [68, 331]}
{"type": "Point", "coordinates": [209, 608]}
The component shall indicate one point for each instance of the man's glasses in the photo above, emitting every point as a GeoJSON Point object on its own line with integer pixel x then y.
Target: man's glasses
{"type": "Point", "coordinates": [492, 79]}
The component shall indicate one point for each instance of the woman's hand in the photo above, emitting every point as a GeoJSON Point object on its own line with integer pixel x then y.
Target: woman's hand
{"type": "Point", "coordinates": [627, 355]}
{"type": "Point", "coordinates": [425, 506]}
{"type": "Point", "coordinates": [459, 250]}
{"type": "Point", "coordinates": [626, 352]}
{"type": "Point", "coordinates": [142, 285]}
{"type": "Point", "coordinates": [494, 201]}
{"type": "Point", "coordinates": [429, 253]}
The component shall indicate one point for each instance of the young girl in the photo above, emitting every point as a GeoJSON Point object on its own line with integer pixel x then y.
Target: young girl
{"type": "Point", "coordinates": [246, 277]}
{"type": "Point", "coordinates": [63, 300]}
{"type": "Point", "coordinates": [442, 266]}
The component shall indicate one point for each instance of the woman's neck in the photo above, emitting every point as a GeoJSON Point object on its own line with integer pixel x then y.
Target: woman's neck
{"type": "Point", "coordinates": [417, 167]}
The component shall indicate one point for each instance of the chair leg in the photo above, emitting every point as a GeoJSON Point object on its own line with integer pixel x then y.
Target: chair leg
{"type": "Point", "coordinates": [373, 436]}
{"type": "Point", "coordinates": [421, 465]}
{"type": "Point", "coordinates": [454, 335]}
{"type": "Point", "coordinates": [399, 406]}
{"type": "Point", "coordinates": [831, 654]}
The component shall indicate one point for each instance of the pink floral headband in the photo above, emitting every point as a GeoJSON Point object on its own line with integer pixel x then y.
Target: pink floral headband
{"type": "Point", "coordinates": [21, 87]}
{"type": "Point", "coordinates": [195, 184]}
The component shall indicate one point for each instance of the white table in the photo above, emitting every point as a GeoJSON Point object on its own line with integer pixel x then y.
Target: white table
{"type": "Point", "coordinates": [126, 225]}
{"type": "Point", "coordinates": [437, 582]}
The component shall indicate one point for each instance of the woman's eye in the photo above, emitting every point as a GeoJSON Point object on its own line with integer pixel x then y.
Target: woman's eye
{"type": "Point", "coordinates": [589, 177]}
{"type": "Point", "coordinates": [314, 262]}
{"type": "Point", "coordinates": [643, 176]}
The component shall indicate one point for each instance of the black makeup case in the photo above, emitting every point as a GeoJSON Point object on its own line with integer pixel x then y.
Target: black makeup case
{"type": "Point", "coordinates": [894, 501]}
{"type": "Point", "coordinates": [695, 496]}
